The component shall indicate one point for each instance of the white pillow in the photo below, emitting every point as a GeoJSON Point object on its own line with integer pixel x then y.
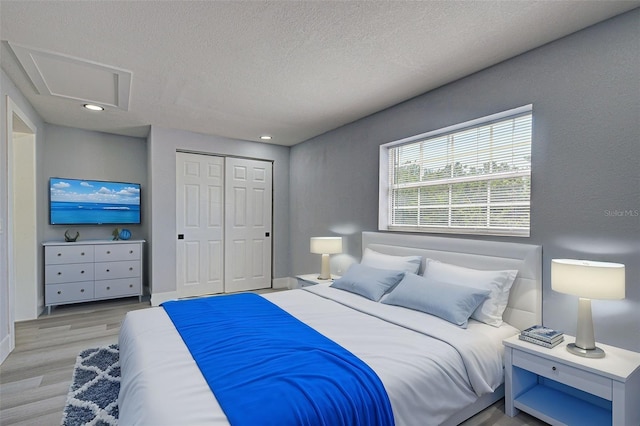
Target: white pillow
{"type": "Point", "coordinates": [388, 261]}
{"type": "Point", "coordinates": [497, 282]}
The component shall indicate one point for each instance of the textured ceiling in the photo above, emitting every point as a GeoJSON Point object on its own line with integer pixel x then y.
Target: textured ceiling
{"type": "Point", "coordinates": [292, 70]}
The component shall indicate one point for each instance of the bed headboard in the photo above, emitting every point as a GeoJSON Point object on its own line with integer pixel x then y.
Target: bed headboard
{"type": "Point", "coordinates": [525, 299]}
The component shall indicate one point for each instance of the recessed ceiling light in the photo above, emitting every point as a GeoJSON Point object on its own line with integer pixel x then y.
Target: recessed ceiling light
{"type": "Point", "coordinates": [93, 107]}
{"type": "Point", "coordinates": [265, 138]}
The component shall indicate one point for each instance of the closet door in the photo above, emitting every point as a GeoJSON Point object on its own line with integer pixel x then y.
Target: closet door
{"type": "Point", "coordinates": [200, 224]}
{"type": "Point", "coordinates": [248, 212]}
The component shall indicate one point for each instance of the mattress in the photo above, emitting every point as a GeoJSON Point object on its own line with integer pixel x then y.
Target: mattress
{"type": "Point", "coordinates": [430, 368]}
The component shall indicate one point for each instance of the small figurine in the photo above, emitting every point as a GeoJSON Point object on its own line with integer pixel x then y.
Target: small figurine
{"type": "Point", "coordinates": [124, 234]}
{"type": "Point", "coordinates": [68, 238]}
{"type": "Point", "coordinates": [116, 234]}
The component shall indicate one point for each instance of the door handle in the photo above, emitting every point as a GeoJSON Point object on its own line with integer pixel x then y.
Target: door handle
{"type": "Point", "coordinates": [266, 234]}
{"type": "Point", "coordinates": [181, 236]}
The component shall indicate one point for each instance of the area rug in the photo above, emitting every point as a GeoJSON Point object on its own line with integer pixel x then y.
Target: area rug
{"type": "Point", "coordinates": [93, 394]}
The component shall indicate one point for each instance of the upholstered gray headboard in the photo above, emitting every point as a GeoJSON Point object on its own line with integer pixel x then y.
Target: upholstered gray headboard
{"type": "Point", "coordinates": [525, 299]}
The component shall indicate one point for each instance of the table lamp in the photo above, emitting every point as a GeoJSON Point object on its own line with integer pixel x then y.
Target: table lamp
{"type": "Point", "coordinates": [587, 280]}
{"type": "Point", "coordinates": [326, 246]}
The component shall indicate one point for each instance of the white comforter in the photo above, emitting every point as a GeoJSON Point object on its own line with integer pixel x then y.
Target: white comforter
{"type": "Point", "coordinates": [429, 367]}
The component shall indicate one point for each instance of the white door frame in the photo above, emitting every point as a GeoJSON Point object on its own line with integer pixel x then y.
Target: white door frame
{"type": "Point", "coordinates": [22, 125]}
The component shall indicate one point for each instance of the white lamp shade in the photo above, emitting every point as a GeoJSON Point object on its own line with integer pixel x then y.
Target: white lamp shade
{"type": "Point", "coordinates": [326, 245]}
{"type": "Point", "coordinates": [588, 279]}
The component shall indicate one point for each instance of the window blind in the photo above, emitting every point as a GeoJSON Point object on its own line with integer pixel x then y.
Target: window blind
{"type": "Point", "coordinates": [474, 180]}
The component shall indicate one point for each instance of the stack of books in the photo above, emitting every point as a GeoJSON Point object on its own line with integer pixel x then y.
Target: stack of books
{"type": "Point", "coordinates": [543, 336]}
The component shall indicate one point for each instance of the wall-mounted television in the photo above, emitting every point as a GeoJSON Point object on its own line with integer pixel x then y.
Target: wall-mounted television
{"type": "Point", "coordinates": [93, 202]}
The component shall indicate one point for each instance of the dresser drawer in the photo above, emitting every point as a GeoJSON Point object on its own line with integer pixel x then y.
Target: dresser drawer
{"type": "Point", "coordinates": [115, 252]}
{"type": "Point", "coordinates": [119, 287]}
{"type": "Point", "coordinates": [54, 255]}
{"type": "Point", "coordinates": [574, 377]}
{"type": "Point", "coordinates": [74, 272]}
{"type": "Point", "coordinates": [113, 270]}
{"type": "Point", "coordinates": [71, 292]}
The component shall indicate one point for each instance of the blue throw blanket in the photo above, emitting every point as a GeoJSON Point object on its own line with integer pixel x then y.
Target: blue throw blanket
{"type": "Point", "coordinates": [265, 367]}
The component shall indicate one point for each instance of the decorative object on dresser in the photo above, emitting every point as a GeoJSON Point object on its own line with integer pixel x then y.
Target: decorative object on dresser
{"type": "Point", "coordinates": [325, 246]}
{"type": "Point", "coordinates": [121, 234]}
{"type": "Point", "coordinates": [68, 238]}
{"type": "Point", "coordinates": [587, 280]}
{"type": "Point", "coordinates": [91, 270]}
{"type": "Point", "coordinates": [541, 335]}
{"type": "Point", "coordinates": [562, 389]}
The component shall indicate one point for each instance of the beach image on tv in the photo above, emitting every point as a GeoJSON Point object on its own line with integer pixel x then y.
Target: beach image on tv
{"type": "Point", "coordinates": [75, 201]}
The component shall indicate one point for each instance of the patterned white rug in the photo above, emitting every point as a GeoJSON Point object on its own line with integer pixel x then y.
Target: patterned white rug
{"type": "Point", "coordinates": [93, 394]}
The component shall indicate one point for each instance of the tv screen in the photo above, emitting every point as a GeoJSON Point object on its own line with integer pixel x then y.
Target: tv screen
{"type": "Point", "coordinates": [93, 202]}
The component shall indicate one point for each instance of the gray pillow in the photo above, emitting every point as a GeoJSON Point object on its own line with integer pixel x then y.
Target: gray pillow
{"type": "Point", "coordinates": [450, 302]}
{"type": "Point", "coordinates": [369, 282]}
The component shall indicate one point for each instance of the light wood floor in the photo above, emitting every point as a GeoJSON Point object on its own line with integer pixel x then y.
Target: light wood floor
{"type": "Point", "coordinates": [35, 378]}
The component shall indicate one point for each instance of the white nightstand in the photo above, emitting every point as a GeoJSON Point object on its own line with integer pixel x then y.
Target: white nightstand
{"type": "Point", "coordinates": [561, 388]}
{"type": "Point", "coordinates": [312, 279]}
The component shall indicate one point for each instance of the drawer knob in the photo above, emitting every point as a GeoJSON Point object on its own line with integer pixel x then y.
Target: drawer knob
{"type": "Point", "coordinates": [553, 368]}
{"type": "Point", "coordinates": [59, 292]}
{"type": "Point", "coordinates": [108, 288]}
{"type": "Point", "coordinates": [108, 252]}
{"type": "Point", "coordinates": [82, 290]}
{"type": "Point", "coordinates": [59, 254]}
{"type": "Point", "coordinates": [82, 254]}
{"type": "Point", "coordinates": [131, 269]}
{"type": "Point", "coordinates": [108, 270]}
{"type": "Point", "coordinates": [59, 273]}
{"type": "Point", "coordinates": [130, 251]}
{"type": "Point", "coordinates": [82, 272]}
{"type": "Point", "coordinates": [130, 285]}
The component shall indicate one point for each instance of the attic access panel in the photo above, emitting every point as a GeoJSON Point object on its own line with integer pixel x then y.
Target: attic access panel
{"type": "Point", "coordinates": [69, 77]}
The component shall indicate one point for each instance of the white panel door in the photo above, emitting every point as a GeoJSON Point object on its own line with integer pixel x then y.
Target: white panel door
{"type": "Point", "coordinates": [200, 224]}
{"type": "Point", "coordinates": [248, 211]}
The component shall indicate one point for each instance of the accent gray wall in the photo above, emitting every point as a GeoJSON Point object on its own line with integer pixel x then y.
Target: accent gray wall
{"type": "Point", "coordinates": [84, 154]}
{"type": "Point", "coordinates": [163, 144]}
{"type": "Point", "coordinates": [585, 91]}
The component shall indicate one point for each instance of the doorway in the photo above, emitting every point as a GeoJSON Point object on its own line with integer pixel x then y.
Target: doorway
{"type": "Point", "coordinates": [20, 295]}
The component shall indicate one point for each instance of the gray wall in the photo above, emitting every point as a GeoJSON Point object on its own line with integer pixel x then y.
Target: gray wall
{"type": "Point", "coordinates": [83, 154]}
{"type": "Point", "coordinates": [585, 91]}
{"type": "Point", "coordinates": [163, 144]}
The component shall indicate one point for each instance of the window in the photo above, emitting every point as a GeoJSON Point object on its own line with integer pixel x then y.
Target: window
{"type": "Point", "coordinates": [472, 178]}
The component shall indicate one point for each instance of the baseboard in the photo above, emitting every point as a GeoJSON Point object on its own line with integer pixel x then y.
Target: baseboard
{"type": "Point", "coordinates": [5, 348]}
{"type": "Point", "coordinates": [158, 298]}
{"type": "Point", "coordinates": [286, 282]}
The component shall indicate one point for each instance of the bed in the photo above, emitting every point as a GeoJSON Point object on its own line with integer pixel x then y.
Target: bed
{"type": "Point", "coordinates": [433, 370]}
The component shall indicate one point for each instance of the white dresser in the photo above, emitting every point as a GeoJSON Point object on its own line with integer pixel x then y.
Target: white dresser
{"type": "Point", "coordinates": [91, 270]}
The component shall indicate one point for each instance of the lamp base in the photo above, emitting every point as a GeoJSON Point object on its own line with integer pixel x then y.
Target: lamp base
{"type": "Point", "coordinates": [596, 352]}
{"type": "Point", "coordinates": [325, 272]}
